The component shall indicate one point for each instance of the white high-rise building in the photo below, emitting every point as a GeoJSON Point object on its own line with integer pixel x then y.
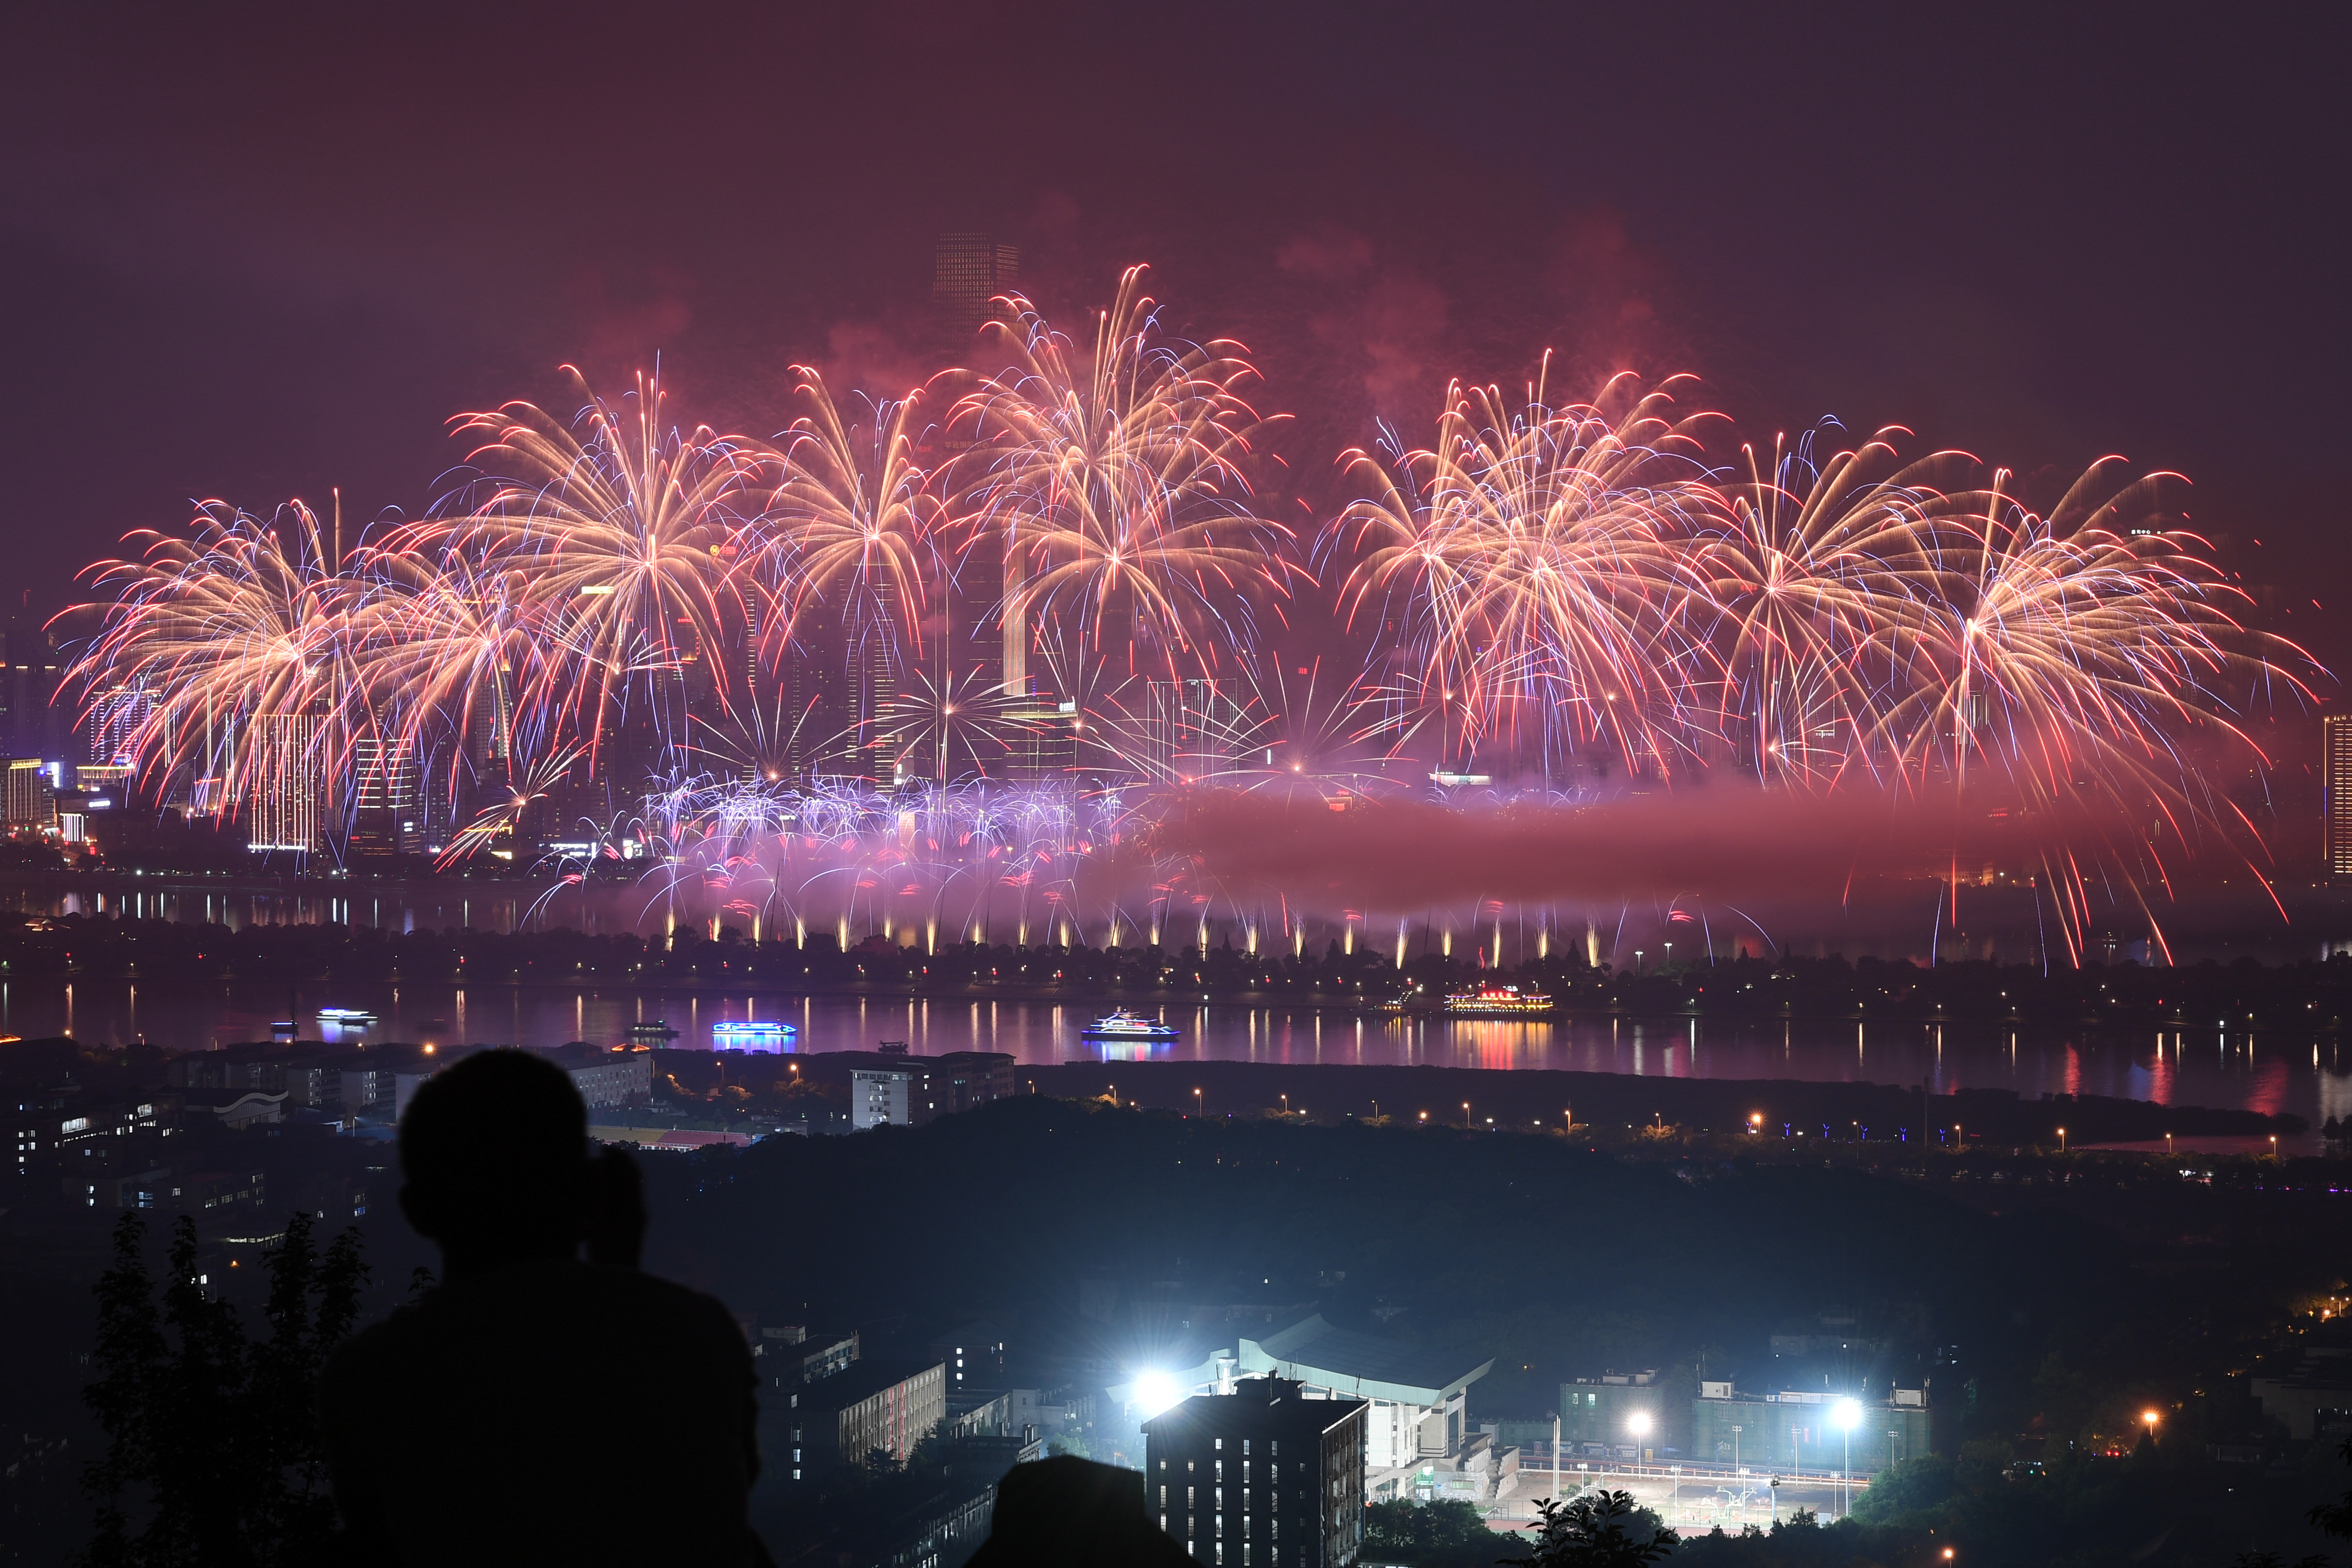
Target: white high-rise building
{"type": "Point", "coordinates": [282, 800]}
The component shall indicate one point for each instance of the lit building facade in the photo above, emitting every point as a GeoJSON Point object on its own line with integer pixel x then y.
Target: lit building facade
{"type": "Point", "coordinates": [868, 1407]}
{"type": "Point", "coordinates": [2335, 778]}
{"type": "Point", "coordinates": [387, 814]}
{"type": "Point", "coordinates": [1268, 1476]}
{"type": "Point", "coordinates": [968, 272]}
{"type": "Point", "coordinates": [116, 715]}
{"type": "Point", "coordinates": [28, 797]}
{"type": "Point", "coordinates": [282, 810]}
{"type": "Point", "coordinates": [879, 1097]}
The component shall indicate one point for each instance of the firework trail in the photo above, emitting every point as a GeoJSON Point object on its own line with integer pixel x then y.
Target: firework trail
{"type": "Point", "coordinates": [240, 634]}
{"type": "Point", "coordinates": [1536, 563]}
{"type": "Point", "coordinates": [848, 534]}
{"type": "Point", "coordinates": [1824, 575]}
{"type": "Point", "coordinates": [1543, 592]}
{"type": "Point", "coordinates": [1113, 484]}
{"type": "Point", "coordinates": [618, 539]}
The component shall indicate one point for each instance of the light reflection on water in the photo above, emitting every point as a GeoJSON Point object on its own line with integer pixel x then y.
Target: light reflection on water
{"type": "Point", "coordinates": [2270, 1072]}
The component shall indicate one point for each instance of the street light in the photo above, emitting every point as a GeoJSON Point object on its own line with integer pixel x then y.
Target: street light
{"type": "Point", "coordinates": [1847, 1413]}
{"type": "Point", "coordinates": [1638, 1423]}
{"type": "Point", "coordinates": [2062, 1140]}
{"type": "Point", "coordinates": [1196, 1103]}
{"type": "Point", "coordinates": [1466, 1113]}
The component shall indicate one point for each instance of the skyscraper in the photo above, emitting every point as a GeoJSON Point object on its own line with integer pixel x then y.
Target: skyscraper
{"type": "Point", "coordinates": [968, 272]}
{"type": "Point", "coordinates": [28, 696]}
{"type": "Point", "coordinates": [2335, 779]}
{"type": "Point", "coordinates": [283, 810]}
{"type": "Point", "coordinates": [115, 715]}
{"type": "Point", "coordinates": [387, 815]}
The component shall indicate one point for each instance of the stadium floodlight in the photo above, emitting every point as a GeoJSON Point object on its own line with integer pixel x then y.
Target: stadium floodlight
{"type": "Point", "coordinates": [1156, 1391]}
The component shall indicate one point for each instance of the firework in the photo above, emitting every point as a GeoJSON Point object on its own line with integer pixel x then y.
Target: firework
{"type": "Point", "coordinates": [619, 541]}
{"type": "Point", "coordinates": [1113, 486]}
{"type": "Point", "coordinates": [240, 635]}
{"type": "Point", "coordinates": [1537, 563]}
{"type": "Point", "coordinates": [1823, 575]}
{"type": "Point", "coordinates": [1542, 594]}
{"type": "Point", "coordinates": [848, 532]}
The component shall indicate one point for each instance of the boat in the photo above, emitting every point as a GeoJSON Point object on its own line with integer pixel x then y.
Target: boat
{"type": "Point", "coordinates": [657, 1029]}
{"type": "Point", "coordinates": [1126, 1028]}
{"type": "Point", "coordinates": [752, 1034]}
{"type": "Point", "coordinates": [346, 1017]}
{"type": "Point", "coordinates": [1495, 1001]}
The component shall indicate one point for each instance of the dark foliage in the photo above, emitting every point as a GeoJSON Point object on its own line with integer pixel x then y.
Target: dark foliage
{"type": "Point", "coordinates": [213, 1447]}
{"type": "Point", "coordinates": [1597, 1530]}
{"type": "Point", "coordinates": [1443, 1533]}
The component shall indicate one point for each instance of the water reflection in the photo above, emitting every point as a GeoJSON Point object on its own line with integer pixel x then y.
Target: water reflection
{"type": "Point", "coordinates": [2270, 1073]}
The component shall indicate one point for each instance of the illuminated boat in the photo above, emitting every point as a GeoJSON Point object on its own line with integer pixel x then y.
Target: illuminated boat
{"type": "Point", "coordinates": [752, 1034]}
{"type": "Point", "coordinates": [1495, 1001]}
{"type": "Point", "coordinates": [657, 1029]}
{"type": "Point", "coordinates": [346, 1017]}
{"type": "Point", "coordinates": [1124, 1028]}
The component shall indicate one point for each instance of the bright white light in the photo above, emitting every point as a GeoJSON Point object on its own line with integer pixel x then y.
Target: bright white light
{"type": "Point", "coordinates": [1155, 1391]}
{"type": "Point", "coordinates": [1847, 1414]}
{"type": "Point", "coordinates": [1638, 1423]}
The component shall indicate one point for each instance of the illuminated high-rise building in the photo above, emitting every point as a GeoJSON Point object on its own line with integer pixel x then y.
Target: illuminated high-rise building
{"type": "Point", "coordinates": [28, 793]}
{"type": "Point", "coordinates": [387, 815]}
{"type": "Point", "coordinates": [2335, 779]}
{"type": "Point", "coordinates": [968, 272]}
{"type": "Point", "coordinates": [115, 716]}
{"type": "Point", "coordinates": [30, 724]}
{"type": "Point", "coordinates": [493, 725]}
{"type": "Point", "coordinates": [282, 810]}
{"type": "Point", "coordinates": [821, 719]}
{"type": "Point", "coordinates": [1192, 729]}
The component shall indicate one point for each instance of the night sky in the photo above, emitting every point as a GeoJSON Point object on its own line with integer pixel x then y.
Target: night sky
{"type": "Point", "coordinates": [256, 256]}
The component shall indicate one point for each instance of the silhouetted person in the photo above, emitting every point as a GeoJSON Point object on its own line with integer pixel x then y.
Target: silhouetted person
{"type": "Point", "coordinates": [533, 1408]}
{"type": "Point", "coordinates": [1069, 1512]}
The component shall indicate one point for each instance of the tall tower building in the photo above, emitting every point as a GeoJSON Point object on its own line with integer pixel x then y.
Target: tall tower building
{"type": "Point", "coordinates": [115, 715]}
{"type": "Point", "coordinates": [387, 816]}
{"type": "Point", "coordinates": [968, 272]}
{"type": "Point", "coordinates": [30, 695]}
{"type": "Point", "coordinates": [283, 810]}
{"type": "Point", "coordinates": [2336, 796]}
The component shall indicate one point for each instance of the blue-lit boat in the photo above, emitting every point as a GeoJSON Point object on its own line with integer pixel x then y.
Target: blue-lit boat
{"type": "Point", "coordinates": [346, 1017]}
{"type": "Point", "coordinates": [752, 1034]}
{"type": "Point", "coordinates": [1124, 1028]}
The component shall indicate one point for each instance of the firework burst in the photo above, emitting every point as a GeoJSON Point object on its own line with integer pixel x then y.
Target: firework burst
{"type": "Point", "coordinates": [1113, 484]}
{"type": "Point", "coordinates": [1536, 562]}
{"type": "Point", "coordinates": [617, 538]}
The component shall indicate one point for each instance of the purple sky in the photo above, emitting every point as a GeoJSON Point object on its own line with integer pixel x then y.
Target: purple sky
{"type": "Point", "coordinates": [252, 258]}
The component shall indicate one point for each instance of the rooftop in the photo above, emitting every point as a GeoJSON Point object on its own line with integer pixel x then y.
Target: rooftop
{"type": "Point", "coordinates": [860, 1380]}
{"type": "Point", "coordinates": [1312, 1351]}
